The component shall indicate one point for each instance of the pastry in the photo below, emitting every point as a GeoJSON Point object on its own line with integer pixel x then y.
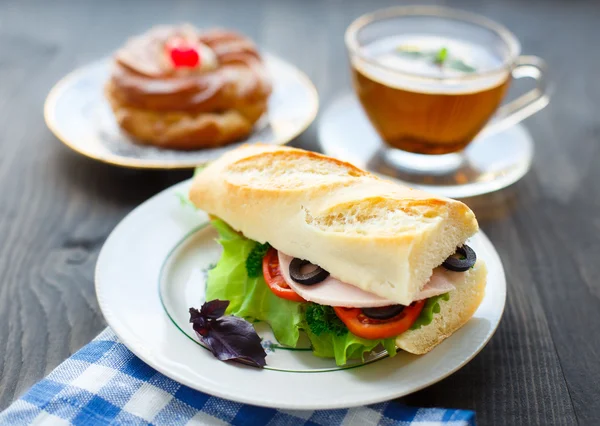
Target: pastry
{"type": "Point", "coordinates": [180, 88]}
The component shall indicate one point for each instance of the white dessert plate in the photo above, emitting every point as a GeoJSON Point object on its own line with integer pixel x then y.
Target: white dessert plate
{"type": "Point", "coordinates": [77, 112]}
{"type": "Point", "coordinates": [152, 269]}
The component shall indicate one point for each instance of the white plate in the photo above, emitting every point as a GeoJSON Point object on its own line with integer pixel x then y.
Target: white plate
{"type": "Point", "coordinates": [78, 113]}
{"type": "Point", "coordinates": [488, 164]}
{"type": "Point", "coordinates": [151, 270]}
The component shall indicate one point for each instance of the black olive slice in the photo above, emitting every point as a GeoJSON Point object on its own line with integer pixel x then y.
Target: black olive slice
{"type": "Point", "coordinates": [461, 265]}
{"type": "Point", "coordinates": [383, 313]}
{"type": "Point", "coordinates": [310, 278]}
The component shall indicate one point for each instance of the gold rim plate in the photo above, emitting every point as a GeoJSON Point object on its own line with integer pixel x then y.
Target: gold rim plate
{"type": "Point", "coordinates": [78, 114]}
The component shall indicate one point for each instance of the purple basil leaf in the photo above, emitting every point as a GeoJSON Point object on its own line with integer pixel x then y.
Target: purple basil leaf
{"type": "Point", "coordinates": [231, 338]}
{"type": "Point", "coordinates": [214, 309]}
{"type": "Point", "coordinates": [194, 314]}
{"type": "Point", "coordinates": [200, 323]}
{"type": "Point", "coordinates": [228, 337]}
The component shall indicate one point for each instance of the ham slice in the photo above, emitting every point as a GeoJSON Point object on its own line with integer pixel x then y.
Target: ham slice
{"type": "Point", "coordinates": [439, 283]}
{"type": "Point", "coordinates": [333, 292]}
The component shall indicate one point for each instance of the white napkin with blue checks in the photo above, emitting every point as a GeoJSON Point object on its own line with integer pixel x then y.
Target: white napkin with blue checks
{"type": "Point", "coordinates": [105, 384]}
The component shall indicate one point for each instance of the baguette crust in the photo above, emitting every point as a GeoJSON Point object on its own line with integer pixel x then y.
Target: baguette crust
{"type": "Point", "coordinates": [375, 234]}
{"type": "Point", "coordinates": [453, 314]}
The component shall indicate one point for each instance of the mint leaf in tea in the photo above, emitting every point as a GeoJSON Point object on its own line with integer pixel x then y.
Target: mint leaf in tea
{"type": "Point", "coordinates": [441, 57]}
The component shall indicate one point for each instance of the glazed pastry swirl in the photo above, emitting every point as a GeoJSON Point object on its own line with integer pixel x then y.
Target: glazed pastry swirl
{"type": "Point", "coordinates": [213, 101]}
{"type": "Point", "coordinates": [231, 73]}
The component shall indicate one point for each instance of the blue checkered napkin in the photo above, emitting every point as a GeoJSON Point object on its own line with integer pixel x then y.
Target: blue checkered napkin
{"type": "Point", "coordinates": [105, 384]}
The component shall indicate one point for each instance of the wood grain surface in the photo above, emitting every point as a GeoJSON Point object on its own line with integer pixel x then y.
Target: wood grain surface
{"type": "Point", "coordinates": [57, 207]}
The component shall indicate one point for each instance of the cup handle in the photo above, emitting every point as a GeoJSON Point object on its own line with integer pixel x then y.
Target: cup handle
{"type": "Point", "coordinates": [525, 105]}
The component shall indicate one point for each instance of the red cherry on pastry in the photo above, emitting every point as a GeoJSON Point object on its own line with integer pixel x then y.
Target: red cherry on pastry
{"type": "Point", "coordinates": [183, 54]}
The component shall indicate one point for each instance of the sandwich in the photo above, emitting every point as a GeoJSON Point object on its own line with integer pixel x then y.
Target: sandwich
{"type": "Point", "coordinates": [315, 245]}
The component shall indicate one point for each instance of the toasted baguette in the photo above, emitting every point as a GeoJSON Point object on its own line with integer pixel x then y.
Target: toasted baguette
{"type": "Point", "coordinates": [453, 314]}
{"type": "Point", "coordinates": [380, 236]}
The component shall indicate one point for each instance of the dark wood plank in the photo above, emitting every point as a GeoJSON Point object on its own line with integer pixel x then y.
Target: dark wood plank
{"type": "Point", "coordinates": [540, 368]}
{"type": "Point", "coordinates": [58, 207]}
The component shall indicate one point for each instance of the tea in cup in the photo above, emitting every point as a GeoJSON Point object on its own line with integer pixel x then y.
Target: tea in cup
{"type": "Point", "coordinates": [431, 78]}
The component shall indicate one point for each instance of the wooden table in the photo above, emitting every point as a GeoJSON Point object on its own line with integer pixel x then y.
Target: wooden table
{"type": "Point", "coordinates": [541, 367]}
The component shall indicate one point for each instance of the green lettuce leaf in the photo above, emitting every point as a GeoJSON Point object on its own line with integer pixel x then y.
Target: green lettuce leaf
{"type": "Point", "coordinates": [347, 346]}
{"type": "Point", "coordinates": [432, 306]}
{"type": "Point", "coordinates": [183, 196]}
{"type": "Point", "coordinates": [250, 298]}
{"type": "Point", "coordinates": [185, 200]}
{"type": "Point", "coordinates": [227, 233]}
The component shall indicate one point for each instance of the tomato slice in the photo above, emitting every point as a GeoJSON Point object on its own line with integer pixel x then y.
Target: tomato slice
{"type": "Point", "coordinates": [369, 328]}
{"type": "Point", "coordinates": [275, 280]}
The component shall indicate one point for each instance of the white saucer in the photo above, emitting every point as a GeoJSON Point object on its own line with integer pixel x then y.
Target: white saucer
{"type": "Point", "coordinates": [488, 164]}
{"type": "Point", "coordinates": [152, 269]}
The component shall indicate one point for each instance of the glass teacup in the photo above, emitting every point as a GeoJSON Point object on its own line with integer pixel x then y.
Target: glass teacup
{"type": "Point", "coordinates": [431, 79]}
